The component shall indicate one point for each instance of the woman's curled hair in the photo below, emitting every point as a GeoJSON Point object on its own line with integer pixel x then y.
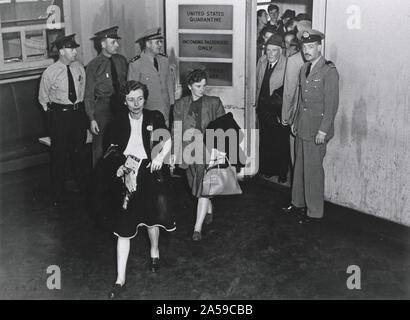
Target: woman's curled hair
{"type": "Point", "coordinates": [196, 76]}
{"type": "Point", "coordinates": [133, 85]}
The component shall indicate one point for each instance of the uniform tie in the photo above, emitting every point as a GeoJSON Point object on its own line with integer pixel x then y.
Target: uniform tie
{"type": "Point", "coordinates": [308, 69]}
{"type": "Point", "coordinates": [156, 64]}
{"type": "Point", "coordinates": [72, 95]}
{"type": "Point", "coordinates": [114, 76]}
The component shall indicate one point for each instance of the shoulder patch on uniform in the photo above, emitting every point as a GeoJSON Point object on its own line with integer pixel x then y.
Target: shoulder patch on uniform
{"type": "Point", "coordinates": [135, 58]}
{"type": "Point", "coordinates": [330, 64]}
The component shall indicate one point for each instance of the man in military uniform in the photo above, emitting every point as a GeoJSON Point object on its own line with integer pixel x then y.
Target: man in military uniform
{"type": "Point", "coordinates": [152, 68]}
{"type": "Point", "coordinates": [61, 94]}
{"type": "Point", "coordinates": [105, 74]}
{"type": "Point", "coordinates": [313, 126]}
{"type": "Point", "coordinates": [291, 87]}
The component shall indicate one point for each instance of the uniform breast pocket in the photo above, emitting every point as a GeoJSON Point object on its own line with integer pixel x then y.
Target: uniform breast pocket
{"type": "Point", "coordinates": [81, 80]}
{"type": "Point", "coordinates": [58, 84]}
{"type": "Point", "coordinates": [145, 77]}
{"type": "Point", "coordinates": [316, 83]}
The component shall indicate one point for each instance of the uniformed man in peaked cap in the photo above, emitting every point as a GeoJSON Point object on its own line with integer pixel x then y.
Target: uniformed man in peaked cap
{"type": "Point", "coordinates": [61, 94]}
{"type": "Point", "coordinates": [313, 126]}
{"type": "Point", "coordinates": [152, 68]}
{"type": "Point", "coordinates": [105, 75]}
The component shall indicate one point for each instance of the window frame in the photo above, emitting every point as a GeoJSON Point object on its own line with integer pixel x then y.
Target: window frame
{"type": "Point", "coordinates": [26, 64]}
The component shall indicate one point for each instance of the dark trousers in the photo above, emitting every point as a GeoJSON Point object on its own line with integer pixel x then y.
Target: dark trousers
{"type": "Point", "coordinates": [274, 148]}
{"type": "Point", "coordinates": [68, 133]}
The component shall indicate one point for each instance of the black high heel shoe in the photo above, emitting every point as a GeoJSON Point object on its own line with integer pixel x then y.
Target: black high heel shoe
{"type": "Point", "coordinates": [116, 291]}
{"type": "Point", "coordinates": [154, 265]}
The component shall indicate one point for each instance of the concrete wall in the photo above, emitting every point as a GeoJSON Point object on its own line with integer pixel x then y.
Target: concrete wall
{"type": "Point", "coordinates": [132, 16]}
{"type": "Point", "coordinates": [368, 161]}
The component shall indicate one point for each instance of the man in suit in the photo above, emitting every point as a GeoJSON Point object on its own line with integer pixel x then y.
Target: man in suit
{"type": "Point", "coordinates": [275, 22]}
{"type": "Point", "coordinates": [274, 151]}
{"type": "Point", "coordinates": [105, 75]}
{"type": "Point", "coordinates": [152, 68]}
{"type": "Point", "coordinates": [313, 126]}
{"type": "Point", "coordinates": [61, 94]}
{"type": "Point", "coordinates": [266, 33]}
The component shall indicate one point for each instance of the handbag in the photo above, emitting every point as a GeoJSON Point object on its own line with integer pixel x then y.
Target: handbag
{"type": "Point", "coordinates": [220, 179]}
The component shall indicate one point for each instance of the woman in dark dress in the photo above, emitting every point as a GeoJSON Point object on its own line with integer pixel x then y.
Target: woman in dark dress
{"type": "Point", "coordinates": [133, 165]}
{"type": "Point", "coordinates": [193, 113]}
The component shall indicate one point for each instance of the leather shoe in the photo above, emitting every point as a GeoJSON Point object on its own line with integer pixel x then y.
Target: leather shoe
{"type": "Point", "coordinates": [209, 218]}
{"type": "Point", "coordinates": [294, 210]}
{"type": "Point", "coordinates": [309, 220]}
{"type": "Point", "coordinates": [154, 265]}
{"type": "Point", "coordinates": [116, 291]}
{"type": "Point", "coordinates": [196, 236]}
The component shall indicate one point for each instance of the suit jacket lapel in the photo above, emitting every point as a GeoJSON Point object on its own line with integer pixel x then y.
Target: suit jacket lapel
{"type": "Point", "coordinates": [205, 116]}
{"type": "Point", "coordinates": [276, 79]}
{"type": "Point", "coordinates": [146, 135]}
{"type": "Point", "coordinates": [125, 131]}
{"type": "Point", "coordinates": [263, 67]}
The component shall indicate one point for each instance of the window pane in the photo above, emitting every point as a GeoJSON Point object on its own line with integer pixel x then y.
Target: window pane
{"type": "Point", "coordinates": [12, 47]}
{"type": "Point", "coordinates": [29, 12]}
{"type": "Point", "coordinates": [52, 35]}
{"type": "Point", "coordinates": [35, 44]}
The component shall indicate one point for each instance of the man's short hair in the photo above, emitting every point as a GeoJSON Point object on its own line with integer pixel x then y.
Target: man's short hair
{"type": "Point", "coordinates": [273, 7]}
{"type": "Point", "coordinates": [260, 12]}
{"type": "Point", "coordinates": [291, 24]}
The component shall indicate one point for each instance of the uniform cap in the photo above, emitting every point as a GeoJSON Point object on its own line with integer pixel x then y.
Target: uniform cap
{"type": "Point", "coordinates": [66, 42]}
{"type": "Point", "coordinates": [151, 34]}
{"type": "Point", "coordinates": [111, 33]}
{"type": "Point", "coordinates": [308, 36]}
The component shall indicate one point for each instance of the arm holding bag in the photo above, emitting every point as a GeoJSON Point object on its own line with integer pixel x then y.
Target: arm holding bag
{"type": "Point", "coordinates": [220, 179]}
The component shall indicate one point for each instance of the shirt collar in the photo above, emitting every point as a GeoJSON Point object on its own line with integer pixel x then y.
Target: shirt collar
{"type": "Point", "coordinates": [316, 61]}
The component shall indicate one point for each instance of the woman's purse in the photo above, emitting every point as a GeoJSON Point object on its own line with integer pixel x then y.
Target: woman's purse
{"type": "Point", "coordinates": [220, 179]}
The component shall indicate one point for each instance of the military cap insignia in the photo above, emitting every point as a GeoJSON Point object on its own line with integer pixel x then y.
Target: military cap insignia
{"type": "Point", "coordinates": [306, 35]}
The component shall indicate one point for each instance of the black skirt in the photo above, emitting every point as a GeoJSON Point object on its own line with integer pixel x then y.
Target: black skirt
{"type": "Point", "coordinates": [147, 206]}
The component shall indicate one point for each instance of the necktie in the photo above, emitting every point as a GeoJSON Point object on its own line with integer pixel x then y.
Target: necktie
{"type": "Point", "coordinates": [114, 76]}
{"type": "Point", "coordinates": [72, 95]}
{"type": "Point", "coordinates": [156, 64]}
{"type": "Point", "coordinates": [308, 69]}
